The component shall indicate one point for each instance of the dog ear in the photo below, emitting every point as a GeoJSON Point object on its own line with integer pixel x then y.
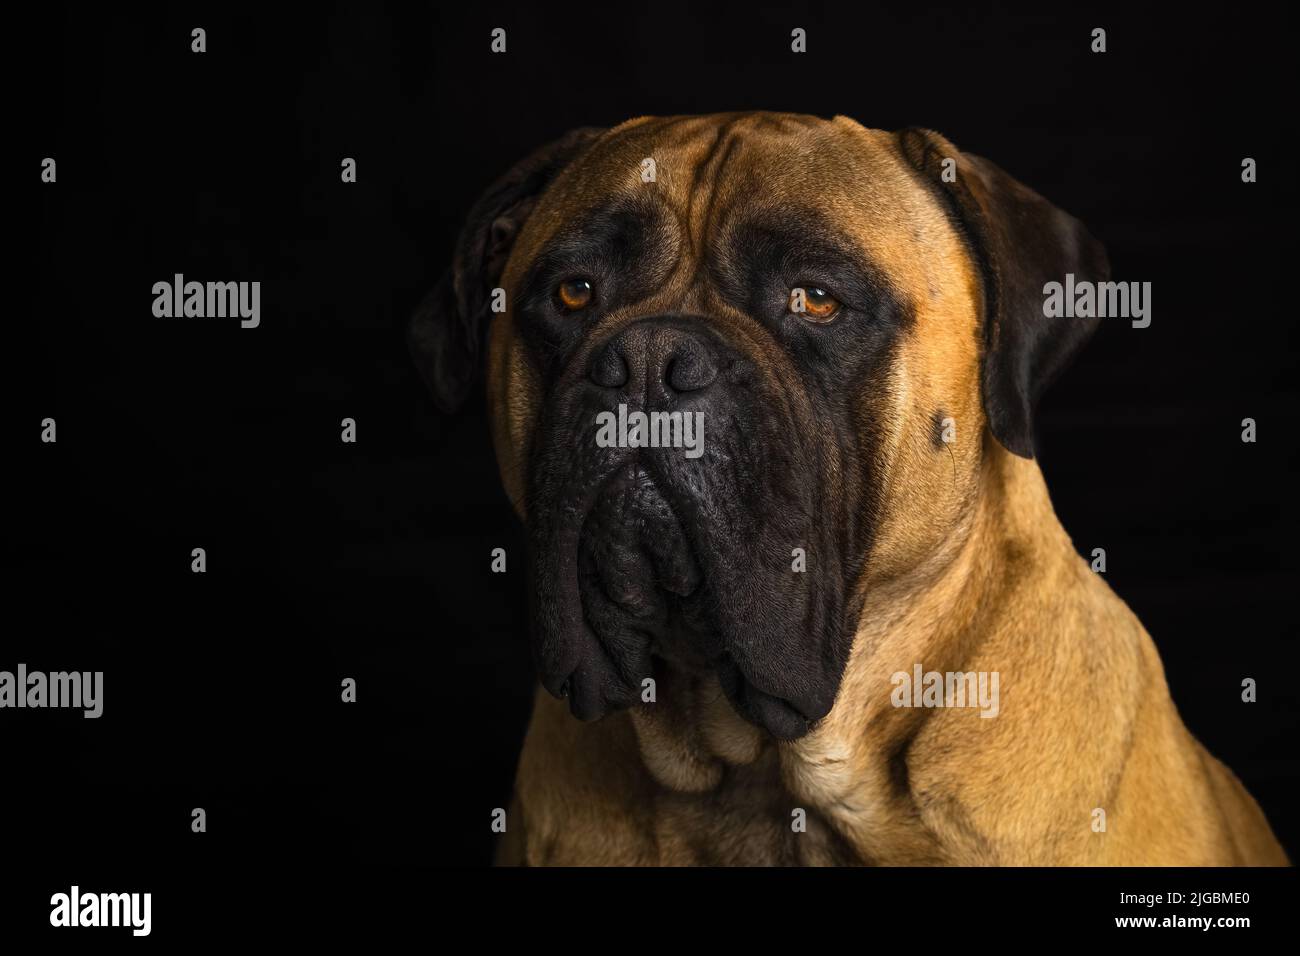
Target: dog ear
{"type": "Point", "coordinates": [1020, 242]}
{"type": "Point", "coordinates": [448, 328]}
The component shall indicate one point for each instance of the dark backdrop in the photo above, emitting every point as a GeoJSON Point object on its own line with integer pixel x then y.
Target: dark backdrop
{"type": "Point", "coordinates": [371, 560]}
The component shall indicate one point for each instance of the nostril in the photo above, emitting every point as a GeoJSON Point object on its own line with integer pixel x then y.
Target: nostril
{"type": "Point", "coordinates": [690, 370]}
{"type": "Point", "coordinates": [609, 370]}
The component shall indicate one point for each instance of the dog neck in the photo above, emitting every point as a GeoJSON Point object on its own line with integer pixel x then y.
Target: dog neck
{"type": "Point", "coordinates": [857, 764]}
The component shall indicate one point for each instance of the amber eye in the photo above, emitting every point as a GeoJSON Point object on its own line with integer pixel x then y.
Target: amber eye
{"type": "Point", "coordinates": [574, 294]}
{"type": "Point", "coordinates": [813, 304]}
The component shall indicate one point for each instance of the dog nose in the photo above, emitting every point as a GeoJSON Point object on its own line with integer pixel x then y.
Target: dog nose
{"type": "Point", "coordinates": [656, 356]}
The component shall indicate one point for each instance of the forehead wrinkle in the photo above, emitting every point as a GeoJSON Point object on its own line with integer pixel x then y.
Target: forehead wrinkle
{"type": "Point", "coordinates": [839, 178]}
{"type": "Point", "coordinates": [709, 168]}
{"type": "Point", "coordinates": [699, 167]}
{"type": "Point", "coordinates": [678, 145]}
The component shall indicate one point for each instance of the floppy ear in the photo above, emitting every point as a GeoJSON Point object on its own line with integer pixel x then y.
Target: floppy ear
{"type": "Point", "coordinates": [1020, 242]}
{"type": "Point", "coordinates": [448, 328]}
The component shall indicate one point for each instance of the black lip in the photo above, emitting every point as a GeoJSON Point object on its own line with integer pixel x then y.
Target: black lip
{"type": "Point", "coordinates": [774, 714]}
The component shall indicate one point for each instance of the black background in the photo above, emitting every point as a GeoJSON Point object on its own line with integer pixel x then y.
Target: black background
{"type": "Point", "coordinates": [371, 560]}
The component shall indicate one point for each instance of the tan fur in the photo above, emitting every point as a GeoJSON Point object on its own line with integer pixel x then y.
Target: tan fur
{"type": "Point", "coordinates": [970, 571]}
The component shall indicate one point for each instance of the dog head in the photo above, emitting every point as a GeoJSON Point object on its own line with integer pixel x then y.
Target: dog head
{"type": "Point", "coordinates": [738, 367]}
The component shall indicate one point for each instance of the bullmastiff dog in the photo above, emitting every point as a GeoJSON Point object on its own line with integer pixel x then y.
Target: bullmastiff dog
{"type": "Point", "coordinates": [845, 625]}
